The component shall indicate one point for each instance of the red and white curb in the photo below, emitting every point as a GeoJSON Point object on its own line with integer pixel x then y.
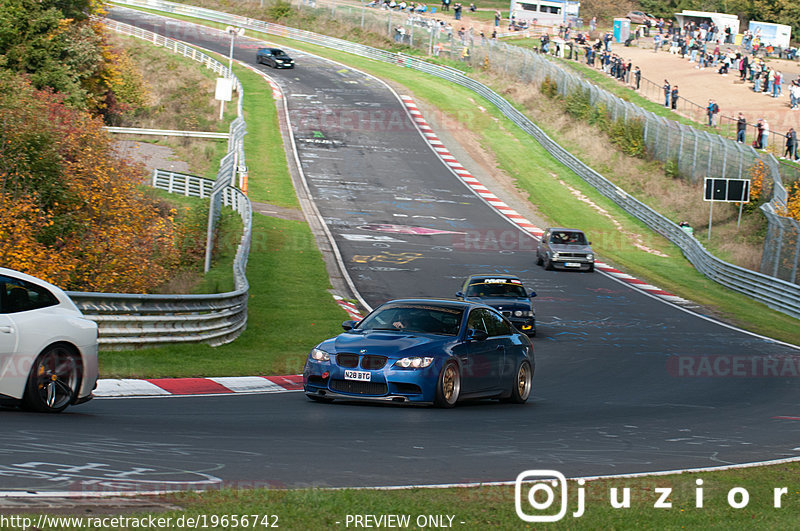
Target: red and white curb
{"type": "Point", "coordinates": [124, 388]}
{"type": "Point", "coordinates": [351, 309]}
{"type": "Point", "coordinates": [512, 215]}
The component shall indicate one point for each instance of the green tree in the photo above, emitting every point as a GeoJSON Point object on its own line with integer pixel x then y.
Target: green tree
{"type": "Point", "coordinates": [56, 44]}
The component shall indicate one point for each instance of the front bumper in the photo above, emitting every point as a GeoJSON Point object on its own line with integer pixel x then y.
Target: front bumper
{"type": "Point", "coordinates": [575, 265]}
{"type": "Point", "coordinates": [388, 384]}
{"type": "Point", "coordinates": [526, 325]}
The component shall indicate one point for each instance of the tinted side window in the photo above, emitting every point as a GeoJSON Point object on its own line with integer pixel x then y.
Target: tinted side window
{"type": "Point", "coordinates": [496, 325]}
{"type": "Point", "coordinates": [475, 321]}
{"type": "Point", "coordinates": [19, 296]}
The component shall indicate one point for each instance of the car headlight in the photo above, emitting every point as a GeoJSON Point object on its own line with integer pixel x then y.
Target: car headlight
{"type": "Point", "coordinates": [319, 355]}
{"type": "Point", "coordinates": [519, 313]}
{"type": "Point", "coordinates": [414, 363]}
{"type": "Point", "coordinates": [590, 256]}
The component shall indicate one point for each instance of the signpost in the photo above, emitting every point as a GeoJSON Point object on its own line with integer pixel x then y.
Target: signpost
{"type": "Point", "coordinates": [726, 191]}
{"type": "Point", "coordinates": [225, 85]}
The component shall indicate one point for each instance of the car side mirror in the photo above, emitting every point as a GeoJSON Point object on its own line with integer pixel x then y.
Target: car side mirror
{"type": "Point", "coordinates": [460, 294]}
{"type": "Point", "coordinates": [590, 243]}
{"type": "Point", "coordinates": [349, 325]}
{"type": "Point", "coordinates": [476, 335]}
{"type": "Point", "coordinates": [532, 294]}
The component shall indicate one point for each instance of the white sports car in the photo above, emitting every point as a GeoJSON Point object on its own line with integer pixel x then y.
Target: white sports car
{"type": "Point", "coordinates": [48, 349]}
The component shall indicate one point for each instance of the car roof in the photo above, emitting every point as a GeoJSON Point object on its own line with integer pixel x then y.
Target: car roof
{"type": "Point", "coordinates": [441, 302]}
{"type": "Point", "coordinates": [489, 275]}
{"type": "Point", "coordinates": [563, 229]}
{"type": "Point", "coordinates": [58, 292]}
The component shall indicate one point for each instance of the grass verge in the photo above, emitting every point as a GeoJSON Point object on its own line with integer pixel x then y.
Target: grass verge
{"type": "Point", "coordinates": [718, 497]}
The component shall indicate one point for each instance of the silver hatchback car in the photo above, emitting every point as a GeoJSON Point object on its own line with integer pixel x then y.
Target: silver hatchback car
{"type": "Point", "coordinates": [565, 249]}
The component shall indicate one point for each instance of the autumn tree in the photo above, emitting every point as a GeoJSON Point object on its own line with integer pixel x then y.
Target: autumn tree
{"type": "Point", "coordinates": [70, 211]}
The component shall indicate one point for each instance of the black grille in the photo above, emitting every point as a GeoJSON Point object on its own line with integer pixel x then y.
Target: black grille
{"type": "Point", "coordinates": [347, 360]}
{"type": "Point", "coordinates": [359, 388]}
{"type": "Point", "coordinates": [373, 363]}
{"type": "Point", "coordinates": [407, 388]}
{"type": "Point", "coordinates": [581, 256]}
{"type": "Point", "coordinates": [507, 314]}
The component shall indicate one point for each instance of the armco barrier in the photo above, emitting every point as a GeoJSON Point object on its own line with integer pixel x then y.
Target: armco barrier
{"type": "Point", "coordinates": [128, 320]}
{"type": "Point", "coordinates": [775, 293]}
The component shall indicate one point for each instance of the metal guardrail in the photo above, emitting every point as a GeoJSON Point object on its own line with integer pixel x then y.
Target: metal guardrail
{"type": "Point", "coordinates": [127, 320]}
{"type": "Point", "coordinates": [166, 132]}
{"type": "Point", "coordinates": [773, 292]}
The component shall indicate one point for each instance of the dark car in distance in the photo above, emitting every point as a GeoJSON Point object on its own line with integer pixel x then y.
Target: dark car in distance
{"type": "Point", "coordinates": [423, 351]}
{"type": "Point", "coordinates": [274, 57]}
{"type": "Point", "coordinates": [565, 249]}
{"type": "Point", "coordinates": [506, 294]}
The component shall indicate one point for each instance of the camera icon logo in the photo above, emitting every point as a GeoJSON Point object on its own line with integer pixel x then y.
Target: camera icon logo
{"type": "Point", "coordinates": [541, 495]}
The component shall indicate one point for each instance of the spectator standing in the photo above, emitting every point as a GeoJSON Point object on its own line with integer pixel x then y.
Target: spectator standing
{"type": "Point", "coordinates": [497, 17]}
{"type": "Point", "coordinates": [593, 24]}
{"type": "Point", "coordinates": [741, 129]}
{"type": "Point", "coordinates": [757, 73]}
{"type": "Point", "coordinates": [637, 77]}
{"type": "Point", "coordinates": [759, 134]}
{"type": "Point", "coordinates": [656, 42]}
{"type": "Point", "coordinates": [770, 82]}
{"type": "Point", "coordinates": [794, 94]}
{"type": "Point", "coordinates": [457, 10]}
{"type": "Point", "coordinates": [791, 145]}
{"type": "Point", "coordinates": [714, 113]}
{"type": "Point", "coordinates": [710, 112]}
{"type": "Point", "coordinates": [765, 136]}
{"type": "Point", "coordinates": [445, 5]}
{"type": "Point", "coordinates": [674, 99]}
{"type": "Point", "coordinates": [776, 87]}
{"type": "Point", "coordinates": [667, 89]}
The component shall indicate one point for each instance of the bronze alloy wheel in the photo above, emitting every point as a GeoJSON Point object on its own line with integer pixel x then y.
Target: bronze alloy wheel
{"type": "Point", "coordinates": [523, 384]}
{"type": "Point", "coordinates": [524, 380]}
{"type": "Point", "coordinates": [449, 387]}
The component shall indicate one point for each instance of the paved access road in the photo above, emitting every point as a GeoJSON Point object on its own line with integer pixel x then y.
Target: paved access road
{"type": "Point", "coordinates": [609, 394]}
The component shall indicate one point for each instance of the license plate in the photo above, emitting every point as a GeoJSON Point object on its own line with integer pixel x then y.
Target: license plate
{"type": "Point", "coordinates": [358, 376]}
{"type": "Point", "coordinates": [572, 264]}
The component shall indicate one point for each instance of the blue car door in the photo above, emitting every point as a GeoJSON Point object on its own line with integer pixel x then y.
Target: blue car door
{"type": "Point", "coordinates": [483, 362]}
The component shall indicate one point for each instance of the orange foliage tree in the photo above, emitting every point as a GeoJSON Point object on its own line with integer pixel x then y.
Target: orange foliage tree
{"type": "Point", "coordinates": [70, 211]}
{"type": "Point", "coordinates": [793, 202]}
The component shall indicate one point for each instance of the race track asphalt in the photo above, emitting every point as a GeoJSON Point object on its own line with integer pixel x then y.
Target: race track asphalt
{"type": "Point", "coordinates": [619, 384]}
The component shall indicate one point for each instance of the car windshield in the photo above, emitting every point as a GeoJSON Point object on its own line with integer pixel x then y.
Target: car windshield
{"type": "Point", "coordinates": [279, 53]}
{"type": "Point", "coordinates": [496, 287]}
{"type": "Point", "coordinates": [568, 238]}
{"type": "Point", "coordinates": [422, 318]}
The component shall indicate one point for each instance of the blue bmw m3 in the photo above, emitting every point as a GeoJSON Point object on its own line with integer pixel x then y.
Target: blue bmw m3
{"type": "Point", "coordinates": [424, 352]}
